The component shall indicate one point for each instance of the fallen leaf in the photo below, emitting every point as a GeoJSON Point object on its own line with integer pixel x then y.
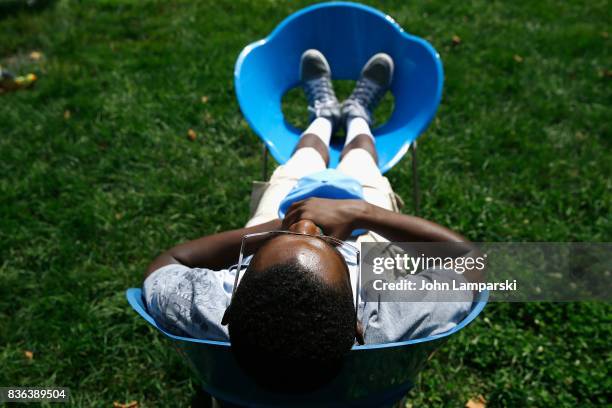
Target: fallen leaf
{"type": "Point", "coordinates": [205, 99]}
{"type": "Point", "coordinates": [131, 404]}
{"type": "Point", "coordinates": [191, 135]}
{"type": "Point", "coordinates": [118, 216]}
{"type": "Point", "coordinates": [19, 82]}
{"type": "Point", "coordinates": [67, 114]}
{"type": "Point", "coordinates": [581, 136]}
{"type": "Point", "coordinates": [518, 58]}
{"type": "Point", "coordinates": [36, 55]}
{"type": "Point", "coordinates": [604, 34]}
{"type": "Point", "coordinates": [456, 40]}
{"type": "Point", "coordinates": [476, 402]}
{"type": "Point", "coordinates": [28, 354]}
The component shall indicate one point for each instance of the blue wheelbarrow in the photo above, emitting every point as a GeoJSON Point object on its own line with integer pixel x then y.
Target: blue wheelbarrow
{"type": "Point", "coordinates": [348, 34]}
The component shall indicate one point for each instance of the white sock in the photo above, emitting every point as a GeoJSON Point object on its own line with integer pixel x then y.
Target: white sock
{"type": "Point", "coordinates": [322, 128]}
{"type": "Point", "coordinates": [356, 127]}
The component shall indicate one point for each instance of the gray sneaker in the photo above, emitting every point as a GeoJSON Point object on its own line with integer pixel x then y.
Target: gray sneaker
{"type": "Point", "coordinates": [315, 75]}
{"type": "Point", "coordinates": [376, 77]}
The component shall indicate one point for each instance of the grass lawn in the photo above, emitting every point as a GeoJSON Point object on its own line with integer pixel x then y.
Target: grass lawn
{"type": "Point", "coordinates": [97, 176]}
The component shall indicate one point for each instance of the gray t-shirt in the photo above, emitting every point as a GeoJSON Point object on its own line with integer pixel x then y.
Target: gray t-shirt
{"type": "Point", "coordinates": [191, 302]}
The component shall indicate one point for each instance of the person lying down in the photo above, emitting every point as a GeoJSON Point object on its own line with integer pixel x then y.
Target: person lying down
{"type": "Point", "coordinates": [295, 310]}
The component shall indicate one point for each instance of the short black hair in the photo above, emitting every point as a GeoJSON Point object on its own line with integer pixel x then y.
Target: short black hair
{"type": "Point", "coordinates": [289, 330]}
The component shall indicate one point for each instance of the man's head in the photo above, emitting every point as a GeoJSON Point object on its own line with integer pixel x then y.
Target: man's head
{"type": "Point", "coordinates": [292, 317]}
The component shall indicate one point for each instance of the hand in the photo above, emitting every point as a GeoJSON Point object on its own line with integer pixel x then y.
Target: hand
{"type": "Point", "coordinates": [337, 218]}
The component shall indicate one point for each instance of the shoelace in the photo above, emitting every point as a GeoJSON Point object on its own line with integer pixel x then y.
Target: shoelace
{"type": "Point", "coordinates": [319, 90]}
{"type": "Point", "coordinates": [367, 93]}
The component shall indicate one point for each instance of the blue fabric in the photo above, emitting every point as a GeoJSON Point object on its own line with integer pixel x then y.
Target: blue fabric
{"type": "Point", "coordinates": [329, 183]}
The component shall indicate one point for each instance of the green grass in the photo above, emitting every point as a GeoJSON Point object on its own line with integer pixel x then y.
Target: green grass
{"type": "Point", "coordinates": [519, 151]}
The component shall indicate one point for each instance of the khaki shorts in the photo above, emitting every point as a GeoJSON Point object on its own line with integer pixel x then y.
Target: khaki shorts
{"type": "Point", "coordinates": [358, 163]}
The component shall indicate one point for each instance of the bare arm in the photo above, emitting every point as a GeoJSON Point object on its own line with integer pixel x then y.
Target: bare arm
{"type": "Point", "coordinates": [340, 217]}
{"type": "Point", "coordinates": [400, 227]}
{"type": "Point", "coordinates": [407, 228]}
{"type": "Point", "coordinates": [214, 251]}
